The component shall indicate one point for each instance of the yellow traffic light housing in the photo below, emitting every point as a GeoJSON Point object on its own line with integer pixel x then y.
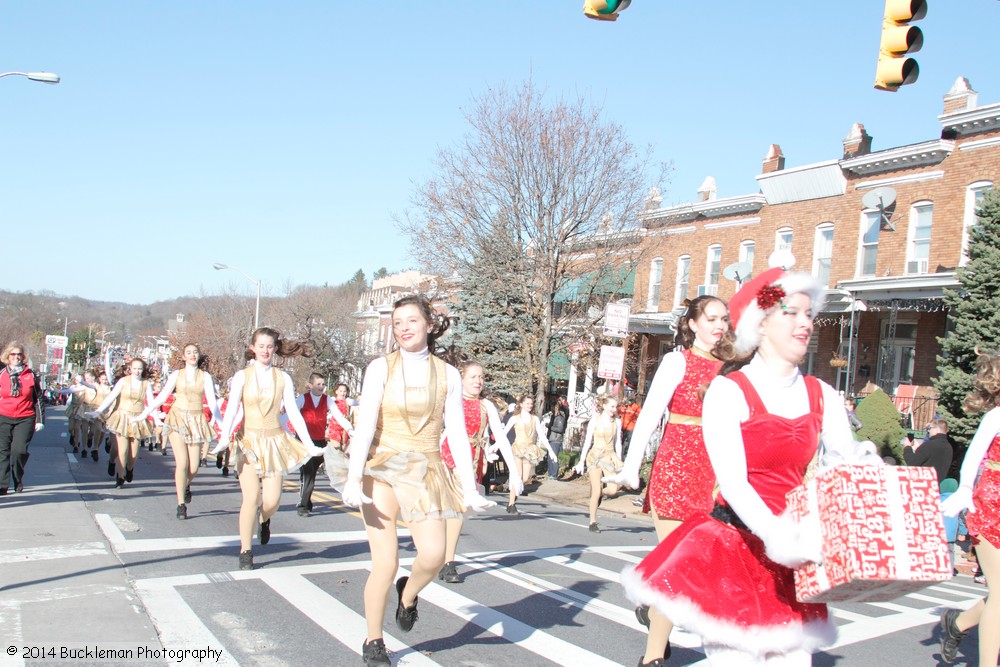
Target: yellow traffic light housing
{"type": "Point", "coordinates": [899, 39]}
{"type": "Point", "coordinates": [604, 10]}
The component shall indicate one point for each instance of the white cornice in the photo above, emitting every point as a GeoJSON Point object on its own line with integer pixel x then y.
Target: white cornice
{"type": "Point", "coordinates": [900, 180]}
{"type": "Point", "coordinates": [903, 157]}
{"type": "Point", "coordinates": [673, 231]}
{"type": "Point", "coordinates": [713, 208]}
{"type": "Point", "coordinates": [979, 143]}
{"type": "Point", "coordinates": [980, 119]}
{"type": "Point", "coordinates": [740, 222]}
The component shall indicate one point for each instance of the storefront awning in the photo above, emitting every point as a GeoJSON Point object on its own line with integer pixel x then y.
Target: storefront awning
{"type": "Point", "coordinates": [922, 286]}
{"type": "Point", "coordinates": [618, 281]}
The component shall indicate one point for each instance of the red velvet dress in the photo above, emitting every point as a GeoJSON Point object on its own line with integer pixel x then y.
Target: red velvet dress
{"type": "Point", "coordinates": [984, 523]}
{"type": "Point", "coordinates": [475, 427]}
{"type": "Point", "coordinates": [681, 481]}
{"type": "Point", "coordinates": [713, 578]}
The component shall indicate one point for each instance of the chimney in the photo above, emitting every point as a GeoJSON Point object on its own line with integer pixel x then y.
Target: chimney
{"type": "Point", "coordinates": [857, 142]}
{"type": "Point", "coordinates": [961, 97]}
{"type": "Point", "coordinates": [653, 200]}
{"type": "Point", "coordinates": [708, 191]}
{"type": "Point", "coordinates": [774, 160]}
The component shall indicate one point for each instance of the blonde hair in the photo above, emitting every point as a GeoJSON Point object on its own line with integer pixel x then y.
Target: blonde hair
{"type": "Point", "coordinates": [985, 393]}
{"type": "Point", "coordinates": [24, 352]}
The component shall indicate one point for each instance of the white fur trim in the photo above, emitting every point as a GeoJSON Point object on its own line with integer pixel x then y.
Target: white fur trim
{"type": "Point", "coordinates": [686, 613]}
{"type": "Point", "coordinates": [748, 328]}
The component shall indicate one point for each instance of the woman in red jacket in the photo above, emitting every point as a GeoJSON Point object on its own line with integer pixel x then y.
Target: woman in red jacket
{"type": "Point", "coordinates": [21, 414]}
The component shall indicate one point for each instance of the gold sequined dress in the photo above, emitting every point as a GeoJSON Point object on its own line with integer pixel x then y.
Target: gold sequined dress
{"type": "Point", "coordinates": [131, 403]}
{"type": "Point", "coordinates": [261, 441]}
{"type": "Point", "coordinates": [526, 441]}
{"type": "Point", "coordinates": [187, 416]}
{"type": "Point", "coordinates": [602, 452]}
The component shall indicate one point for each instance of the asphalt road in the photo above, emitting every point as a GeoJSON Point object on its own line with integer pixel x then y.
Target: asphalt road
{"type": "Point", "coordinates": [538, 589]}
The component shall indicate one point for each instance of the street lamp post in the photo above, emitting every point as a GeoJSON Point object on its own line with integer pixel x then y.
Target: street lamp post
{"type": "Point", "coordinates": [44, 77]}
{"type": "Point", "coordinates": [66, 325]}
{"type": "Point", "coordinates": [256, 314]}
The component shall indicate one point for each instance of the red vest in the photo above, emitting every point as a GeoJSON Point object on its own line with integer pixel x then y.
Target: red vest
{"type": "Point", "coordinates": [23, 405]}
{"type": "Point", "coordinates": [315, 417]}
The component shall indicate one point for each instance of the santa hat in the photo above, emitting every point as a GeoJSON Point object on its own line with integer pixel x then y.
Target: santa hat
{"type": "Point", "coordinates": [755, 299]}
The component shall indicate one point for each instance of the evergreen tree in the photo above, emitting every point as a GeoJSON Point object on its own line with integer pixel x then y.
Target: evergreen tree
{"type": "Point", "coordinates": [975, 319]}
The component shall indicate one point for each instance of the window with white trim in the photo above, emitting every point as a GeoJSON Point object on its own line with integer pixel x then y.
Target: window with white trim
{"type": "Point", "coordinates": [683, 279]}
{"type": "Point", "coordinates": [655, 278]}
{"type": "Point", "coordinates": [746, 257]}
{"type": "Point", "coordinates": [823, 253]}
{"type": "Point", "coordinates": [783, 239]}
{"type": "Point", "coordinates": [973, 200]}
{"type": "Point", "coordinates": [918, 247]}
{"type": "Point", "coordinates": [871, 223]}
{"type": "Point", "coordinates": [713, 267]}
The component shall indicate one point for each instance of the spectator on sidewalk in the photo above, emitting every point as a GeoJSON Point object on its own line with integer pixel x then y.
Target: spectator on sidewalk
{"type": "Point", "coordinates": [557, 429]}
{"type": "Point", "coordinates": [935, 451]}
{"type": "Point", "coordinates": [629, 413]}
{"type": "Point", "coordinates": [21, 415]}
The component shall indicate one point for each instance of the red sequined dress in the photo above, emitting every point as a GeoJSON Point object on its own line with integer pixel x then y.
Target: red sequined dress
{"type": "Point", "coordinates": [334, 431]}
{"type": "Point", "coordinates": [681, 481]}
{"type": "Point", "coordinates": [984, 523]}
{"type": "Point", "coordinates": [475, 425]}
{"type": "Point", "coordinates": [712, 576]}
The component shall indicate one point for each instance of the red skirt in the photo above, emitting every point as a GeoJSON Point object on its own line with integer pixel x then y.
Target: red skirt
{"type": "Point", "coordinates": [984, 523]}
{"type": "Point", "coordinates": [681, 481]}
{"type": "Point", "coordinates": [478, 460]}
{"type": "Point", "coordinates": [714, 580]}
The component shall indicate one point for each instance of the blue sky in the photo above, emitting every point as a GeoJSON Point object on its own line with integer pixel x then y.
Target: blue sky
{"type": "Point", "coordinates": [282, 137]}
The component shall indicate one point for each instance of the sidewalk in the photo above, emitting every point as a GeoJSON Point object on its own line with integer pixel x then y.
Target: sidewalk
{"type": "Point", "coordinates": [576, 493]}
{"type": "Point", "coordinates": [61, 587]}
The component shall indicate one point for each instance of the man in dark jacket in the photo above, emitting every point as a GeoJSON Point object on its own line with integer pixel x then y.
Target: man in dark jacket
{"type": "Point", "coordinates": [935, 451]}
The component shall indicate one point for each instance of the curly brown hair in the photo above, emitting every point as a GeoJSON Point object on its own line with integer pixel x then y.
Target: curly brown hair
{"type": "Point", "coordinates": [985, 394]}
{"type": "Point", "coordinates": [695, 309]}
{"type": "Point", "coordinates": [283, 347]}
{"type": "Point", "coordinates": [440, 323]}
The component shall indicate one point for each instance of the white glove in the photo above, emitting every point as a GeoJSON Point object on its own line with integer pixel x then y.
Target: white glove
{"type": "Point", "coordinates": [625, 477]}
{"type": "Point", "coordinates": [492, 454]}
{"type": "Point", "coordinates": [39, 426]}
{"type": "Point", "coordinates": [515, 484]}
{"type": "Point", "coordinates": [578, 468]}
{"type": "Point", "coordinates": [792, 543]}
{"type": "Point", "coordinates": [221, 447]}
{"type": "Point", "coordinates": [863, 452]}
{"type": "Point", "coordinates": [91, 415]}
{"type": "Point", "coordinates": [352, 495]}
{"type": "Point", "coordinates": [313, 450]}
{"type": "Point", "coordinates": [475, 501]}
{"type": "Point", "coordinates": [958, 501]}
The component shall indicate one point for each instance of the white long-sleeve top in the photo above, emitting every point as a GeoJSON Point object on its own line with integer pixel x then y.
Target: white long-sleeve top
{"type": "Point", "coordinates": [168, 389]}
{"type": "Point", "coordinates": [235, 404]}
{"type": "Point", "coordinates": [726, 409]}
{"type": "Point", "coordinates": [668, 375]}
{"type": "Point", "coordinates": [988, 429]}
{"type": "Point", "coordinates": [526, 418]}
{"type": "Point", "coordinates": [416, 367]}
{"type": "Point", "coordinates": [117, 390]}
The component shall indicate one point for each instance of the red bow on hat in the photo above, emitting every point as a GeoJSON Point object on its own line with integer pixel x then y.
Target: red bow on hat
{"type": "Point", "coordinates": [761, 290]}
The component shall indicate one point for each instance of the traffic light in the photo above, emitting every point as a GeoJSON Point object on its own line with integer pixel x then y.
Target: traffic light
{"type": "Point", "coordinates": [899, 39]}
{"type": "Point", "coordinates": [604, 10]}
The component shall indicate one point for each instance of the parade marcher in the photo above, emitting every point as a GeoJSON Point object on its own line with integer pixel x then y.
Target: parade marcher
{"type": "Point", "coordinates": [82, 393]}
{"type": "Point", "coordinates": [186, 426]}
{"type": "Point", "coordinates": [336, 435]}
{"type": "Point", "coordinates": [981, 501]}
{"type": "Point", "coordinates": [530, 444]}
{"type": "Point", "coordinates": [408, 399]}
{"type": "Point", "coordinates": [22, 414]}
{"type": "Point", "coordinates": [726, 576]}
{"type": "Point", "coordinates": [265, 452]}
{"type": "Point", "coordinates": [935, 451]}
{"type": "Point", "coordinates": [601, 453]}
{"type": "Point", "coordinates": [133, 392]}
{"type": "Point", "coordinates": [481, 420]}
{"type": "Point", "coordinates": [318, 411]}
{"type": "Point", "coordinates": [681, 480]}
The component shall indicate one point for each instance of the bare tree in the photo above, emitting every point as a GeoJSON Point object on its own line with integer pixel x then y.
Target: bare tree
{"type": "Point", "coordinates": [559, 189]}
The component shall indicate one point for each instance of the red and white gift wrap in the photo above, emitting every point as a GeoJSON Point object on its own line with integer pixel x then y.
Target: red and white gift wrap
{"type": "Point", "coordinates": [883, 533]}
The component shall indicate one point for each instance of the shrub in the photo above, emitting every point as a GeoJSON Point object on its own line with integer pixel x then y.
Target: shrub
{"type": "Point", "coordinates": [880, 420]}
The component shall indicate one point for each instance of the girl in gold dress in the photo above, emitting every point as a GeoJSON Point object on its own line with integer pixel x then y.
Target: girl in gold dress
{"type": "Point", "coordinates": [408, 399]}
{"type": "Point", "coordinates": [132, 393]}
{"type": "Point", "coordinates": [530, 444]}
{"type": "Point", "coordinates": [265, 452]}
{"type": "Point", "coordinates": [602, 451]}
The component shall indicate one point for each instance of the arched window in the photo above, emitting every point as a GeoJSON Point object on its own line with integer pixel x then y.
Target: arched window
{"type": "Point", "coordinates": [783, 239]}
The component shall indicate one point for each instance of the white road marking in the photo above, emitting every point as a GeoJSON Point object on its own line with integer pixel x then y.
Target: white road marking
{"type": "Point", "coordinates": [10, 556]}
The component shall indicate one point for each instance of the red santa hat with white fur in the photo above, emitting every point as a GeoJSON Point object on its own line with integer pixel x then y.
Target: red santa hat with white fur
{"type": "Point", "coordinates": [758, 296]}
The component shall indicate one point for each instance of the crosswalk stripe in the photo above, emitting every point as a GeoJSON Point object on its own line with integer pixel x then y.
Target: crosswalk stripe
{"type": "Point", "coordinates": [585, 568]}
{"type": "Point", "coordinates": [497, 623]}
{"type": "Point", "coordinates": [955, 588]}
{"type": "Point", "coordinates": [11, 556]}
{"type": "Point", "coordinates": [337, 619]}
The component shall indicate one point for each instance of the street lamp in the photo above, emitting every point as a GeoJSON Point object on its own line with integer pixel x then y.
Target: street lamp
{"type": "Point", "coordinates": [66, 325]}
{"type": "Point", "coordinates": [256, 315]}
{"type": "Point", "coordinates": [44, 77]}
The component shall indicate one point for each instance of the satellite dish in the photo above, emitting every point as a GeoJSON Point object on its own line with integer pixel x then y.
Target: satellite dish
{"type": "Point", "coordinates": [739, 272]}
{"type": "Point", "coordinates": [882, 200]}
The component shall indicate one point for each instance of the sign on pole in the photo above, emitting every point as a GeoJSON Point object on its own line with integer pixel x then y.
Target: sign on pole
{"type": "Point", "coordinates": [610, 365]}
{"type": "Point", "coordinates": [57, 341]}
{"type": "Point", "coordinates": [616, 320]}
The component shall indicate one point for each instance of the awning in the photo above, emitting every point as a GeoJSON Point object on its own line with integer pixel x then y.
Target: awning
{"type": "Point", "coordinates": [619, 281]}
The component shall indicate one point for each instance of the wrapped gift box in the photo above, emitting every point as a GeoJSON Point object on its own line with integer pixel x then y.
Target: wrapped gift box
{"type": "Point", "coordinates": [883, 533]}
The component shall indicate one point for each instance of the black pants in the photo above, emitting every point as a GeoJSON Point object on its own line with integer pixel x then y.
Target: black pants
{"type": "Point", "coordinates": [15, 434]}
{"type": "Point", "coordinates": [307, 477]}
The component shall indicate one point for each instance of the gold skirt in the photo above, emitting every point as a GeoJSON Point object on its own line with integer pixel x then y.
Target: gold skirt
{"type": "Point", "coordinates": [533, 454]}
{"type": "Point", "coordinates": [424, 487]}
{"type": "Point", "coordinates": [605, 459]}
{"type": "Point", "coordinates": [119, 422]}
{"type": "Point", "coordinates": [190, 424]}
{"type": "Point", "coordinates": [272, 452]}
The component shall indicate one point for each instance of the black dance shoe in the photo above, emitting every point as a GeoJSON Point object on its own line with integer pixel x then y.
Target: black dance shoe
{"type": "Point", "coordinates": [182, 511]}
{"type": "Point", "coordinates": [374, 653]}
{"type": "Point", "coordinates": [129, 474]}
{"type": "Point", "coordinates": [187, 494]}
{"type": "Point", "coordinates": [265, 531]}
{"type": "Point", "coordinates": [111, 468]}
{"type": "Point", "coordinates": [512, 509]}
{"type": "Point", "coordinates": [119, 482]}
{"type": "Point", "coordinates": [93, 454]}
{"type": "Point", "coordinates": [246, 560]}
{"type": "Point", "coordinates": [405, 616]}
{"type": "Point", "coordinates": [449, 573]}
{"type": "Point", "coordinates": [594, 528]}
{"type": "Point", "coordinates": [951, 636]}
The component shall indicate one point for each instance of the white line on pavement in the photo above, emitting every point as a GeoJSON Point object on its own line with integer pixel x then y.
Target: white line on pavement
{"type": "Point", "coordinates": [53, 552]}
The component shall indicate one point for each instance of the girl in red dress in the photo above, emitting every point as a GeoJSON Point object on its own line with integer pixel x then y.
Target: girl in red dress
{"type": "Point", "coordinates": [982, 500]}
{"type": "Point", "coordinates": [727, 576]}
{"type": "Point", "coordinates": [681, 480]}
{"type": "Point", "coordinates": [336, 435]}
{"type": "Point", "coordinates": [481, 419]}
